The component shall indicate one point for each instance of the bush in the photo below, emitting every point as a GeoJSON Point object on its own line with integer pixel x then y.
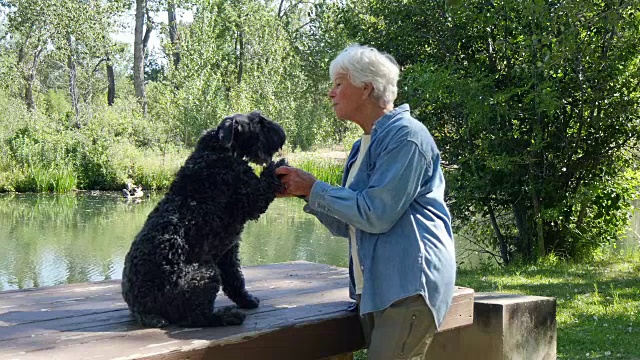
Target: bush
{"type": "Point", "coordinates": [534, 106]}
{"type": "Point", "coordinates": [41, 153]}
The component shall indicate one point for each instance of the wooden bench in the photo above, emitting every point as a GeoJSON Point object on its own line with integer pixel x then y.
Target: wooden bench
{"type": "Point", "coordinates": [302, 315]}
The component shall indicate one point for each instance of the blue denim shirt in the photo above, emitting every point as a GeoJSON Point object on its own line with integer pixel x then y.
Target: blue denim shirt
{"type": "Point", "coordinates": [396, 203]}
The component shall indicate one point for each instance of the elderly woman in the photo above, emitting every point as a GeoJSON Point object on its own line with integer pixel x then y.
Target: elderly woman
{"type": "Point", "coordinates": [391, 208]}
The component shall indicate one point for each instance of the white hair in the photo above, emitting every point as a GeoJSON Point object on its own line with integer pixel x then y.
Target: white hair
{"type": "Point", "coordinates": [363, 64]}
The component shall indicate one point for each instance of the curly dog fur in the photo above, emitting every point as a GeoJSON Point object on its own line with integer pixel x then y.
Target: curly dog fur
{"type": "Point", "coordinates": [188, 247]}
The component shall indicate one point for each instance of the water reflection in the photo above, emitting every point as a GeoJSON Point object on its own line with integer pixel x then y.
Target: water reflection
{"type": "Point", "coordinates": [55, 239]}
{"type": "Point", "coordinates": [52, 239]}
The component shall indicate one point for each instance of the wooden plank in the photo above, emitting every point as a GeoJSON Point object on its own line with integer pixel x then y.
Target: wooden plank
{"type": "Point", "coordinates": [31, 313]}
{"type": "Point", "coordinates": [302, 315]}
{"type": "Point", "coordinates": [311, 340]}
{"type": "Point", "coordinates": [277, 277]}
{"type": "Point", "coordinates": [108, 342]}
{"type": "Point", "coordinates": [461, 311]}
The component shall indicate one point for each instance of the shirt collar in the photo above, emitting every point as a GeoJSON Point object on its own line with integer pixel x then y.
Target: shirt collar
{"type": "Point", "coordinates": [385, 119]}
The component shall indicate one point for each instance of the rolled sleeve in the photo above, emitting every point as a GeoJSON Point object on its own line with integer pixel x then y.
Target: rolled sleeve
{"type": "Point", "coordinates": [393, 184]}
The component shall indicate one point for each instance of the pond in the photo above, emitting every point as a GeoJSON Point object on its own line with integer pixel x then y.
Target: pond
{"type": "Point", "coordinates": [50, 239]}
{"type": "Point", "coordinates": [55, 239]}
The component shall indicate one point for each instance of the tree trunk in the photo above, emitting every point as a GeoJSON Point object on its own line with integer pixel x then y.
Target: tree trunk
{"type": "Point", "coordinates": [111, 88]}
{"type": "Point", "coordinates": [139, 47]}
{"type": "Point", "coordinates": [73, 87]}
{"type": "Point", "coordinates": [537, 213]}
{"type": "Point", "coordinates": [525, 237]}
{"type": "Point", "coordinates": [173, 33]}
{"type": "Point", "coordinates": [29, 75]}
{"type": "Point", "coordinates": [28, 89]}
{"type": "Point", "coordinates": [504, 253]}
{"type": "Point", "coordinates": [240, 54]}
{"type": "Point", "coordinates": [281, 9]}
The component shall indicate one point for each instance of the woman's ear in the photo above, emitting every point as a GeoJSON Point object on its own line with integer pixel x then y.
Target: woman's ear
{"type": "Point", "coordinates": [367, 90]}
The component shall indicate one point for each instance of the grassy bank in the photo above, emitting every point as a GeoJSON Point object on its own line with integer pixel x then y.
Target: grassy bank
{"type": "Point", "coordinates": [326, 164]}
{"type": "Point", "coordinates": [110, 166]}
{"type": "Point", "coordinates": [42, 150]}
{"type": "Point", "coordinates": [598, 304]}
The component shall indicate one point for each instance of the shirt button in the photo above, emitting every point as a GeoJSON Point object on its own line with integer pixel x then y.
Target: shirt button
{"type": "Point", "coordinates": [362, 268]}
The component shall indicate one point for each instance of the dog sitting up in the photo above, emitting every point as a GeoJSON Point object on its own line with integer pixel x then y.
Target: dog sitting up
{"type": "Point", "coordinates": [188, 247]}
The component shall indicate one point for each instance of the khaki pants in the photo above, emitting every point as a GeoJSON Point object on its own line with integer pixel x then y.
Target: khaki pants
{"type": "Point", "coordinates": [404, 330]}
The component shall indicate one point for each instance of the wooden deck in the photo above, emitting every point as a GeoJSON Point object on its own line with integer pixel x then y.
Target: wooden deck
{"type": "Point", "coordinates": [301, 316]}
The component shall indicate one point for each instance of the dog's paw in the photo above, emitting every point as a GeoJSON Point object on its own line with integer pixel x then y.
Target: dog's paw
{"type": "Point", "coordinates": [279, 186]}
{"type": "Point", "coordinates": [282, 162]}
{"type": "Point", "coordinates": [229, 315]}
{"type": "Point", "coordinates": [269, 170]}
{"type": "Point", "coordinates": [249, 302]}
{"type": "Point", "coordinates": [268, 175]}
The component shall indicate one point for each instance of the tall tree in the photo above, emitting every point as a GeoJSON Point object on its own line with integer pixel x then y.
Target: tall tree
{"type": "Point", "coordinates": [29, 22]}
{"type": "Point", "coordinates": [142, 33]}
{"type": "Point", "coordinates": [72, 33]}
{"type": "Point", "coordinates": [534, 105]}
{"type": "Point", "coordinates": [111, 80]}
{"type": "Point", "coordinates": [174, 37]}
{"type": "Point", "coordinates": [73, 85]}
{"type": "Point", "coordinates": [245, 62]}
{"type": "Point", "coordinates": [83, 35]}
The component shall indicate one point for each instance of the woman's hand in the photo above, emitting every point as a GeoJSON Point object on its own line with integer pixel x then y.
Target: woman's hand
{"type": "Point", "coordinates": [296, 182]}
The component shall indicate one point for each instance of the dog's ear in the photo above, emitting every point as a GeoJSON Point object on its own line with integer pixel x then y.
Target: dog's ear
{"type": "Point", "coordinates": [257, 115]}
{"type": "Point", "coordinates": [225, 131]}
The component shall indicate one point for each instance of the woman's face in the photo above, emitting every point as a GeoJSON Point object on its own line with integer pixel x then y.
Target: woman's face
{"type": "Point", "coordinates": [347, 99]}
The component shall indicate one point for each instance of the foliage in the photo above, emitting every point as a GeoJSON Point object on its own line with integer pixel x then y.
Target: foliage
{"type": "Point", "coordinates": [250, 61]}
{"type": "Point", "coordinates": [325, 170]}
{"type": "Point", "coordinates": [68, 38]}
{"type": "Point", "coordinates": [534, 106]}
{"type": "Point", "coordinates": [42, 154]}
{"type": "Point", "coordinates": [229, 66]}
{"type": "Point", "coordinates": [597, 302]}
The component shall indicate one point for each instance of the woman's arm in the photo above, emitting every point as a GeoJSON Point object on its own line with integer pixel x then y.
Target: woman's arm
{"type": "Point", "coordinates": [299, 183]}
{"type": "Point", "coordinates": [394, 183]}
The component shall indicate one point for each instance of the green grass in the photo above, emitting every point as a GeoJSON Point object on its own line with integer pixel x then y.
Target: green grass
{"type": "Point", "coordinates": [327, 170]}
{"type": "Point", "coordinates": [598, 303]}
{"type": "Point", "coordinates": [156, 171]}
{"type": "Point", "coordinates": [114, 165]}
{"type": "Point", "coordinates": [147, 167]}
{"type": "Point", "coordinates": [57, 179]}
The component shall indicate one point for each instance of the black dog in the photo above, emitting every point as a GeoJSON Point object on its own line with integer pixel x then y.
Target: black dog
{"type": "Point", "coordinates": [188, 247]}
